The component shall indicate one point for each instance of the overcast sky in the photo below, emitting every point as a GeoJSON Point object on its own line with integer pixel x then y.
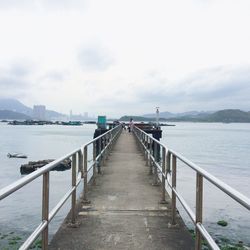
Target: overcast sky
{"type": "Point", "coordinates": [118, 57]}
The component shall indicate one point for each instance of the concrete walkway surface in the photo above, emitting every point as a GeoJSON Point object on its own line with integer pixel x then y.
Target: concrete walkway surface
{"type": "Point", "coordinates": [125, 210]}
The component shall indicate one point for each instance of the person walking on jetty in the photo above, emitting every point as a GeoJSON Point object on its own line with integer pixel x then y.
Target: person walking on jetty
{"type": "Point", "coordinates": [131, 125]}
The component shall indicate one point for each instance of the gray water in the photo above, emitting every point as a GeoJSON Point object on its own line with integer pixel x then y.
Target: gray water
{"type": "Point", "coordinates": [21, 212]}
{"type": "Point", "coordinates": [221, 149]}
{"type": "Point", "coordinates": [224, 151]}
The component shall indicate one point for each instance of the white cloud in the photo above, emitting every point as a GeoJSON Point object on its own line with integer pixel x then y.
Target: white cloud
{"type": "Point", "coordinates": [93, 58]}
{"type": "Point", "coordinates": [119, 57]}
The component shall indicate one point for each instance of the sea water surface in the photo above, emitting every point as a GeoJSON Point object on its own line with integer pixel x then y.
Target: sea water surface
{"type": "Point", "coordinates": [20, 213]}
{"type": "Point", "coordinates": [221, 149]}
{"type": "Point", "coordinates": [224, 151]}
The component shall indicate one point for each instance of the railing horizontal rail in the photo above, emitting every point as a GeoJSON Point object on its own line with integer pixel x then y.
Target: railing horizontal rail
{"type": "Point", "coordinates": [182, 201]}
{"type": "Point", "coordinates": [240, 198]}
{"type": "Point", "coordinates": [207, 236]}
{"type": "Point", "coordinates": [34, 235]}
{"type": "Point", "coordinates": [32, 176]}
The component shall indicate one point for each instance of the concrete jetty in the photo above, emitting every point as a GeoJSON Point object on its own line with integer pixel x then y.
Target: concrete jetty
{"type": "Point", "coordinates": [125, 210]}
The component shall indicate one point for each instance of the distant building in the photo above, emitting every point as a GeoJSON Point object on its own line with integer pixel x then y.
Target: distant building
{"type": "Point", "coordinates": [39, 112]}
{"type": "Point", "coordinates": [85, 115]}
{"type": "Point", "coordinates": [70, 115]}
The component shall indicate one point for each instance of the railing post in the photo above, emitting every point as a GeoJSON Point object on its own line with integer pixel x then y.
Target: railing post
{"type": "Point", "coordinates": [94, 162]}
{"type": "Point", "coordinates": [45, 210]}
{"type": "Point", "coordinates": [168, 162]}
{"type": "Point", "coordinates": [73, 196]}
{"type": "Point", "coordinates": [147, 153]}
{"type": "Point", "coordinates": [150, 160]}
{"type": "Point", "coordinates": [100, 156]}
{"type": "Point", "coordinates": [163, 199]}
{"type": "Point", "coordinates": [80, 162]}
{"type": "Point", "coordinates": [111, 142]}
{"type": "Point", "coordinates": [199, 208]}
{"type": "Point", "coordinates": [85, 174]}
{"type": "Point", "coordinates": [174, 165]}
{"type": "Point", "coordinates": [155, 167]}
{"type": "Point", "coordinates": [107, 145]}
{"type": "Point", "coordinates": [141, 142]}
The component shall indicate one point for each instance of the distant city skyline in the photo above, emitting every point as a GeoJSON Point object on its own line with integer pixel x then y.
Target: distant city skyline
{"type": "Point", "coordinates": [126, 57]}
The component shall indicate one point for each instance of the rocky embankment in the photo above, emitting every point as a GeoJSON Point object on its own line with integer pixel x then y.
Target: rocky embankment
{"type": "Point", "coordinates": [34, 165]}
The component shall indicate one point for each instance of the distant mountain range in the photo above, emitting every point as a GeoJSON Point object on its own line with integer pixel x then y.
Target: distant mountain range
{"type": "Point", "coordinates": [174, 115]}
{"type": "Point", "coordinates": [225, 116]}
{"type": "Point", "coordinates": [12, 115]}
{"type": "Point", "coordinates": [13, 109]}
{"type": "Point", "coordinates": [17, 109]}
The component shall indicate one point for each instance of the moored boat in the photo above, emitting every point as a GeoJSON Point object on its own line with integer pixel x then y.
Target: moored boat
{"type": "Point", "coordinates": [16, 155]}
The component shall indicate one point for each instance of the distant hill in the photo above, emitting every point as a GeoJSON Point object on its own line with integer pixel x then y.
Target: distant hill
{"type": "Point", "coordinates": [161, 114]}
{"type": "Point", "coordinates": [167, 114]}
{"type": "Point", "coordinates": [226, 116]}
{"type": "Point", "coordinates": [229, 115]}
{"type": "Point", "coordinates": [11, 115]}
{"type": "Point", "coordinates": [17, 106]}
{"type": "Point", "coordinates": [14, 105]}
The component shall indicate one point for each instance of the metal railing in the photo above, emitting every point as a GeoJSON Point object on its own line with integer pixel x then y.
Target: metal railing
{"type": "Point", "coordinates": [163, 162]}
{"type": "Point", "coordinates": [81, 165]}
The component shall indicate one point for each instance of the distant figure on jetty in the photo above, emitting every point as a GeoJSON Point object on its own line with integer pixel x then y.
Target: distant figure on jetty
{"type": "Point", "coordinates": [124, 126]}
{"type": "Point", "coordinates": [131, 125]}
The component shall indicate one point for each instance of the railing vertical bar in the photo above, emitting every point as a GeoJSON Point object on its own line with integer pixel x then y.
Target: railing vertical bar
{"type": "Point", "coordinates": [73, 196]}
{"type": "Point", "coordinates": [150, 160]}
{"type": "Point", "coordinates": [45, 210]}
{"type": "Point", "coordinates": [80, 162]}
{"type": "Point", "coordinates": [147, 152]}
{"type": "Point", "coordinates": [174, 166]}
{"type": "Point", "coordinates": [100, 158]}
{"type": "Point", "coordinates": [168, 162]}
{"type": "Point", "coordinates": [94, 161]}
{"type": "Point", "coordinates": [199, 206]}
{"type": "Point", "coordinates": [163, 199]}
{"type": "Point", "coordinates": [85, 175]}
{"type": "Point", "coordinates": [155, 167]}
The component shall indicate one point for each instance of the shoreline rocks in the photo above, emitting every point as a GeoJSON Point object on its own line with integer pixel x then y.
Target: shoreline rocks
{"type": "Point", "coordinates": [34, 165]}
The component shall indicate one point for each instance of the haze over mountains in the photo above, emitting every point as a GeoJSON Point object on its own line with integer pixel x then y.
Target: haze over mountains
{"type": "Point", "coordinates": [174, 115]}
{"type": "Point", "coordinates": [225, 116]}
{"type": "Point", "coordinates": [14, 109]}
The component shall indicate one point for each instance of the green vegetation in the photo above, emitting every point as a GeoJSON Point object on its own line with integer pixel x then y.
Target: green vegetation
{"type": "Point", "coordinates": [223, 243]}
{"type": "Point", "coordinates": [11, 241]}
{"type": "Point", "coordinates": [222, 223]}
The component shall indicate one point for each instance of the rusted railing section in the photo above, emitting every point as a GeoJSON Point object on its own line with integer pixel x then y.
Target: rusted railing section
{"type": "Point", "coordinates": [82, 164]}
{"type": "Point", "coordinates": [163, 162]}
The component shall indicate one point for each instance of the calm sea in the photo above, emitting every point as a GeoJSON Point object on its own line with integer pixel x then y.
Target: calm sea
{"type": "Point", "coordinates": [221, 149]}
{"type": "Point", "coordinates": [224, 151]}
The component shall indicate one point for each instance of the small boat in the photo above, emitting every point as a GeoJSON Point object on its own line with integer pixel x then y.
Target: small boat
{"type": "Point", "coordinates": [16, 155]}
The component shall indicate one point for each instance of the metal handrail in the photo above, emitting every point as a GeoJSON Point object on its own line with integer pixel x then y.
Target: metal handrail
{"type": "Point", "coordinates": [167, 168]}
{"type": "Point", "coordinates": [80, 171]}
